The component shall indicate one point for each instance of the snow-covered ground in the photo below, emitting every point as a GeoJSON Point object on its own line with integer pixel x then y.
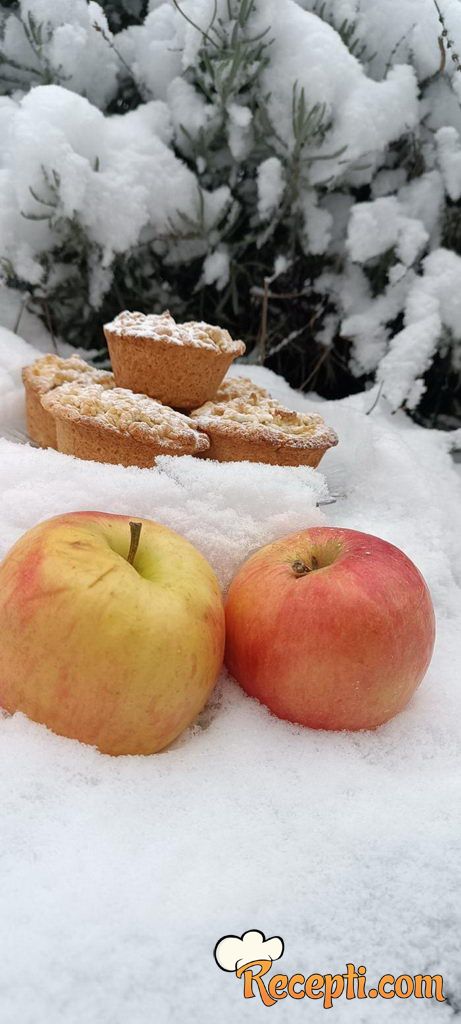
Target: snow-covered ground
{"type": "Point", "coordinates": [118, 876]}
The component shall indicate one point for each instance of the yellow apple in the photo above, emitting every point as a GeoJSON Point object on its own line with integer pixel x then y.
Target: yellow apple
{"type": "Point", "coordinates": [111, 633]}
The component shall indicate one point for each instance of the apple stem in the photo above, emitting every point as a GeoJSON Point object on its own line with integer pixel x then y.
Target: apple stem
{"type": "Point", "coordinates": [300, 568]}
{"type": "Point", "coordinates": [135, 530]}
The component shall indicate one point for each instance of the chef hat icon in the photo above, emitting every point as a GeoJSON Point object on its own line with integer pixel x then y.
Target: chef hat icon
{"type": "Point", "coordinates": [233, 952]}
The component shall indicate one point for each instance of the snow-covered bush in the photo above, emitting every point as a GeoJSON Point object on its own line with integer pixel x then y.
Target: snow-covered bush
{"type": "Point", "coordinates": [291, 169]}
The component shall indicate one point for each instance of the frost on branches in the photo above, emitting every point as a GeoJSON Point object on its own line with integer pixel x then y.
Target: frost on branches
{"type": "Point", "coordinates": [203, 154]}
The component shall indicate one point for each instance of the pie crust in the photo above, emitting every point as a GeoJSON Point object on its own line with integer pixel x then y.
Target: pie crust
{"type": "Point", "coordinates": [118, 426]}
{"type": "Point", "coordinates": [181, 365]}
{"type": "Point", "coordinates": [45, 374]}
{"type": "Point", "coordinates": [258, 429]}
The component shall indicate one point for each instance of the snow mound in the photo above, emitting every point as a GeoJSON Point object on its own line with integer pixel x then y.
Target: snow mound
{"type": "Point", "coordinates": [382, 109]}
{"type": "Point", "coordinates": [120, 875]}
{"type": "Point", "coordinates": [433, 303]}
{"type": "Point", "coordinates": [14, 354]}
{"type": "Point", "coordinates": [116, 173]}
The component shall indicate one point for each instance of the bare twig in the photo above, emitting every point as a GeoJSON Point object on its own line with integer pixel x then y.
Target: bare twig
{"type": "Point", "coordinates": [49, 324]}
{"type": "Point", "coordinates": [261, 292]}
{"type": "Point", "coordinates": [378, 396]}
{"type": "Point", "coordinates": [286, 341]}
{"type": "Point", "coordinates": [20, 312]}
{"type": "Point", "coordinates": [264, 316]}
{"type": "Point", "coordinates": [443, 56]}
{"type": "Point", "coordinates": [113, 47]}
{"type": "Point", "coordinates": [446, 42]}
{"type": "Point", "coordinates": [317, 366]}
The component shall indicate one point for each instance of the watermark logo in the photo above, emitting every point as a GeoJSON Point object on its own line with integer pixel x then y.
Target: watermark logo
{"type": "Point", "coordinates": [251, 957]}
{"type": "Point", "coordinates": [234, 953]}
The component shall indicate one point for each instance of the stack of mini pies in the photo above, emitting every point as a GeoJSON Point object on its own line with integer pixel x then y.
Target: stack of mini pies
{"type": "Point", "coordinates": [166, 396]}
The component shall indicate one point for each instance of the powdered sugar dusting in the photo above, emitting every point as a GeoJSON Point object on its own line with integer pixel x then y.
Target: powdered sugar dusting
{"type": "Point", "coordinates": [237, 387]}
{"type": "Point", "coordinates": [121, 410]}
{"type": "Point", "coordinates": [51, 370]}
{"type": "Point", "coordinates": [264, 419]}
{"type": "Point", "coordinates": [162, 327]}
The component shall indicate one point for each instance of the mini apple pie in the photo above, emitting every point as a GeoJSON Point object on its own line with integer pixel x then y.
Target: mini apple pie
{"type": "Point", "coordinates": [42, 376]}
{"type": "Point", "coordinates": [181, 365]}
{"type": "Point", "coordinates": [255, 429]}
{"type": "Point", "coordinates": [118, 426]}
{"type": "Point", "coordinates": [238, 387]}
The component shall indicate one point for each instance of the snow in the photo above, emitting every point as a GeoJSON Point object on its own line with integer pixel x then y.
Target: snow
{"type": "Point", "coordinates": [318, 223]}
{"type": "Point", "coordinates": [407, 28]}
{"type": "Point", "coordinates": [189, 112]}
{"type": "Point", "coordinates": [411, 348]}
{"type": "Point", "coordinates": [14, 354]}
{"type": "Point", "coordinates": [366, 114]}
{"type": "Point", "coordinates": [120, 875]}
{"type": "Point", "coordinates": [422, 199]}
{"type": "Point", "coordinates": [152, 51]}
{"type": "Point", "coordinates": [381, 225]}
{"type": "Point", "coordinates": [364, 317]}
{"type": "Point", "coordinates": [116, 175]}
{"type": "Point", "coordinates": [75, 46]}
{"type": "Point", "coordinates": [271, 186]}
{"type": "Point", "coordinates": [389, 120]}
{"type": "Point", "coordinates": [14, 314]}
{"type": "Point", "coordinates": [239, 132]}
{"type": "Point", "coordinates": [433, 302]}
{"type": "Point", "coordinates": [404, 221]}
{"type": "Point", "coordinates": [216, 268]}
{"type": "Point", "coordinates": [449, 149]}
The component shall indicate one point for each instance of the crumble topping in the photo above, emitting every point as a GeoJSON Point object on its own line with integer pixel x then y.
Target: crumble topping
{"type": "Point", "coordinates": [50, 371]}
{"type": "Point", "coordinates": [260, 418]}
{"type": "Point", "coordinates": [163, 327]}
{"type": "Point", "coordinates": [236, 387]}
{"type": "Point", "coordinates": [121, 410]}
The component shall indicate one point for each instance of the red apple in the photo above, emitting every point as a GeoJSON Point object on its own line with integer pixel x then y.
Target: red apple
{"type": "Point", "coordinates": [331, 628]}
{"type": "Point", "coordinates": [110, 633]}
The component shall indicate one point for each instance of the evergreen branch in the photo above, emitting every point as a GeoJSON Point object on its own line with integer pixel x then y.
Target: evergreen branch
{"type": "Point", "coordinates": [396, 46]}
{"type": "Point", "coordinates": [35, 216]}
{"type": "Point", "coordinates": [19, 67]}
{"type": "Point", "coordinates": [250, 40]}
{"type": "Point", "coordinates": [328, 156]}
{"type": "Point", "coordinates": [38, 199]}
{"type": "Point", "coordinates": [186, 17]}
{"type": "Point", "coordinates": [245, 10]}
{"type": "Point", "coordinates": [213, 17]}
